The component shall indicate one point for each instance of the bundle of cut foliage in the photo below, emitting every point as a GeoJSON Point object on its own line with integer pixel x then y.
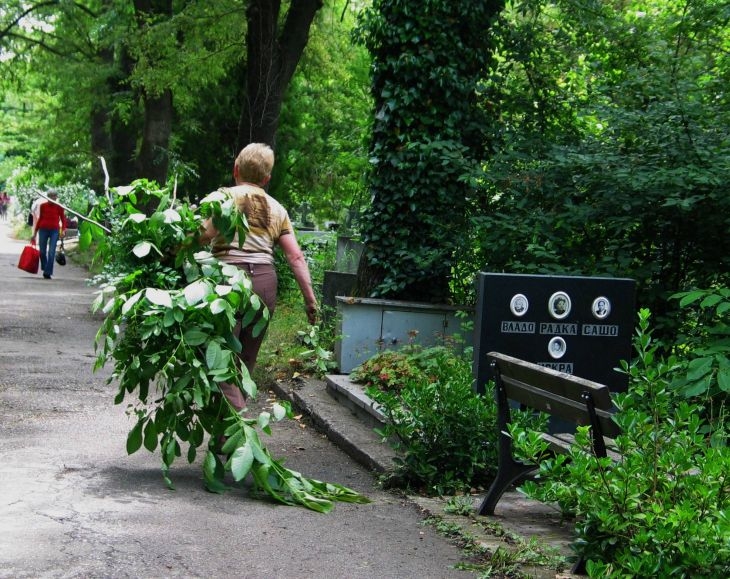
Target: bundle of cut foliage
{"type": "Point", "coordinates": [170, 309]}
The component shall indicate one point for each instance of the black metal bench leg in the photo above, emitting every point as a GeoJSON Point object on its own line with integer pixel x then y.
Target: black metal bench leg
{"type": "Point", "coordinates": [508, 470]}
{"type": "Point", "coordinates": [507, 475]}
{"type": "Point", "coordinates": [579, 567]}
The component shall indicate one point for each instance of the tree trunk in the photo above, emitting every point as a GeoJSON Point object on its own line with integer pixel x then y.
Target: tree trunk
{"type": "Point", "coordinates": [122, 132]}
{"type": "Point", "coordinates": [153, 159]}
{"type": "Point", "coordinates": [273, 55]}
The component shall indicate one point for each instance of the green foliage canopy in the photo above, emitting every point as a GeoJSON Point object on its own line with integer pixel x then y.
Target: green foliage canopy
{"type": "Point", "coordinates": [612, 157]}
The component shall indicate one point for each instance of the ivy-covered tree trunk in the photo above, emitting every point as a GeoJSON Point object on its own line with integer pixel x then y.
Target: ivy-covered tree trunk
{"type": "Point", "coordinates": [428, 139]}
{"type": "Point", "coordinates": [273, 52]}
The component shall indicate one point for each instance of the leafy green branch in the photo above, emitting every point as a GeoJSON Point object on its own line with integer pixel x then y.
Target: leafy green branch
{"type": "Point", "coordinates": [170, 310]}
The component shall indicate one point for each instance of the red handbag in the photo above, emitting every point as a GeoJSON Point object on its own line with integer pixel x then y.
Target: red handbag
{"type": "Point", "coordinates": [30, 258]}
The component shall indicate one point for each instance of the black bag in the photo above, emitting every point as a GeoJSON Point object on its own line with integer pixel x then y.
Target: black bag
{"type": "Point", "coordinates": [61, 255]}
{"type": "Point", "coordinates": [29, 220]}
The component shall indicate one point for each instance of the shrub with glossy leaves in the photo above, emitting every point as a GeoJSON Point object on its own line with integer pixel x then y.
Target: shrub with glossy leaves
{"type": "Point", "coordinates": [446, 433]}
{"type": "Point", "coordinates": [662, 509]}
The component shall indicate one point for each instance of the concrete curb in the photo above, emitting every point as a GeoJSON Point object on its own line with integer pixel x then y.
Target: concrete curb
{"type": "Point", "coordinates": [345, 427]}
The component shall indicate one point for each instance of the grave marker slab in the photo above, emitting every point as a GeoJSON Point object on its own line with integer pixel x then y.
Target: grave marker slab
{"type": "Point", "coordinates": [577, 325]}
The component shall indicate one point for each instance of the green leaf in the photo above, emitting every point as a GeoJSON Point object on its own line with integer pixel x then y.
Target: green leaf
{"type": "Point", "coordinates": [158, 297]}
{"type": "Point", "coordinates": [129, 304]}
{"type": "Point", "coordinates": [696, 387]}
{"type": "Point", "coordinates": [213, 473]}
{"type": "Point", "coordinates": [150, 436]}
{"type": "Point", "coordinates": [711, 300]}
{"type": "Point", "coordinates": [698, 368]}
{"type": "Point", "coordinates": [259, 453]}
{"type": "Point", "coordinates": [241, 462]}
{"type": "Point", "coordinates": [261, 324]}
{"type": "Point", "coordinates": [247, 383]}
{"type": "Point", "coordinates": [279, 411]}
{"type": "Point", "coordinates": [142, 249]}
{"type": "Point", "coordinates": [723, 376]}
{"type": "Point", "coordinates": [195, 337]}
{"type": "Point", "coordinates": [171, 216]}
{"type": "Point", "coordinates": [263, 420]}
{"type": "Point", "coordinates": [85, 239]}
{"type": "Point", "coordinates": [218, 305]}
{"type": "Point", "coordinates": [691, 297]}
{"type": "Point", "coordinates": [137, 217]}
{"type": "Point", "coordinates": [196, 292]}
{"type": "Point", "coordinates": [213, 355]}
{"type": "Point", "coordinates": [134, 438]}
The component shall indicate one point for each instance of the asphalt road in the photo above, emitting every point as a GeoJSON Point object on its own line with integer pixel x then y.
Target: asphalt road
{"type": "Point", "coordinates": [73, 504]}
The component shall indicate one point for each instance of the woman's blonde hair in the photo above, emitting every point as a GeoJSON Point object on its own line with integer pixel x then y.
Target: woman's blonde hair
{"type": "Point", "coordinates": [254, 163]}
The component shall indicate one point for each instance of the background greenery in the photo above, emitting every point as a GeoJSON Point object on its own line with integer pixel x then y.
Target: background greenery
{"type": "Point", "coordinates": [582, 137]}
{"type": "Point", "coordinates": [585, 137]}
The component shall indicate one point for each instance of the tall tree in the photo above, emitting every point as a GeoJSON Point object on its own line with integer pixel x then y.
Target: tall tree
{"type": "Point", "coordinates": [153, 157]}
{"type": "Point", "coordinates": [428, 138]}
{"type": "Point", "coordinates": [140, 65]}
{"type": "Point", "coordinates": [321, 145]}
{"type": "Point", "coordinates": [273, 52]}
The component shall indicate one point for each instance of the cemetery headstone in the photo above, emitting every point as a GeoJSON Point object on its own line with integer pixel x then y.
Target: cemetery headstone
{"type": "Point", "coordinates": [577, 325]}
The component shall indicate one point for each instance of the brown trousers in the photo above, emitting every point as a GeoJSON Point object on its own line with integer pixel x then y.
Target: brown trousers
{"type": "Point", "coordinates": [265, 284]}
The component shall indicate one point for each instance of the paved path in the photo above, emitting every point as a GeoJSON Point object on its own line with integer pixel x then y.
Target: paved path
{"type": "Point", "coordinates": [73, 504]}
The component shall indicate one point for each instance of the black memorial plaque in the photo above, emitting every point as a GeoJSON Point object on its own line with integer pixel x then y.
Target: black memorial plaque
{"type": "Point", "coordinates": [578, 325]}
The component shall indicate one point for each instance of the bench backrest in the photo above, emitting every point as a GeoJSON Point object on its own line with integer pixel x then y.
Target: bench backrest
{"type": "Point", "coordinates": [559, 394]}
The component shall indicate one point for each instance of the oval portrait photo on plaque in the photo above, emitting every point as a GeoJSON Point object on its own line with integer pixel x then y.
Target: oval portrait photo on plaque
{"type": "Point", "coordinates": [518, 305]}
{"type": "Point", "coordinates": [557, 347]}
{"type": "Point", "coordinates": [559, 305]}
{"type": "Point", "coordinates": [601, 307]}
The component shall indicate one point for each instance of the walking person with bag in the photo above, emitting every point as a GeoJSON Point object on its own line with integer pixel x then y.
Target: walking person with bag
{"type": "Point", "coordinates": [50, 225]}
{"type": "Point", "coordinates": [4, 203]}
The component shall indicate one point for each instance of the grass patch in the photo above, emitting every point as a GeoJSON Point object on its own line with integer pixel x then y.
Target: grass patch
{"type": "Point", "coordinates": [279, 357]}
{"type": "Point", "coordinates": [511, 560]}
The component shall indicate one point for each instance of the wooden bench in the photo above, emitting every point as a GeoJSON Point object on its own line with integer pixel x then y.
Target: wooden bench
{"type": "Point", "coordinates": [566, 397]}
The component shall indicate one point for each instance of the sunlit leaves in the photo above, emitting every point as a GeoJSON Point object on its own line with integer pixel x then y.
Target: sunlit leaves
{"type": "Point", "coordinates": [241, 461]}
{"type": "Point", "coordinates": [159, 297]}
{"type": "Point", "coordinates": [173, 335]}
{"type": "Point", "coordinates": [196, 292]}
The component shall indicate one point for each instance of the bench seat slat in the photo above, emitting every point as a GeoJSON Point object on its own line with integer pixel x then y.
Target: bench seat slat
{"type": "Point", "coordinates": [560, 383]}
{"type": "Point", "coordinates": [560, 442]}
{"type": "Point", "coordinates": [555, 404]}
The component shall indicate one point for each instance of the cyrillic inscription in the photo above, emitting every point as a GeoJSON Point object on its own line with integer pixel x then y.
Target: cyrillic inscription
{"type": "Point", "coordinates": [510, 327]}
{"type": "Point", "coordinates": [566, 367]}
{"type": "Point", "coordinates": [600, 330]}
{"type": "Point", "coordinates": [559, 329]}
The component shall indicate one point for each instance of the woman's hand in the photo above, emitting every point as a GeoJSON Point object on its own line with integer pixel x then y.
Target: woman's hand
{"type": "Point", "coordinates": [311, 313]}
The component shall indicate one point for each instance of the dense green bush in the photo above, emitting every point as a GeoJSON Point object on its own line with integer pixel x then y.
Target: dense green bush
{"type": "Point", "coordinates": [445, 431]}
{"type": "Point", "coordinates": [663, 509]}
{"type": "Point", "coordinates": [704, 348]}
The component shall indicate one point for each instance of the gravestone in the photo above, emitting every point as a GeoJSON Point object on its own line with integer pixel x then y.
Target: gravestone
{"type": "Point", "coordinates": [577, 325]}
{"type": "Point", "coordinates": [348, 254]}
